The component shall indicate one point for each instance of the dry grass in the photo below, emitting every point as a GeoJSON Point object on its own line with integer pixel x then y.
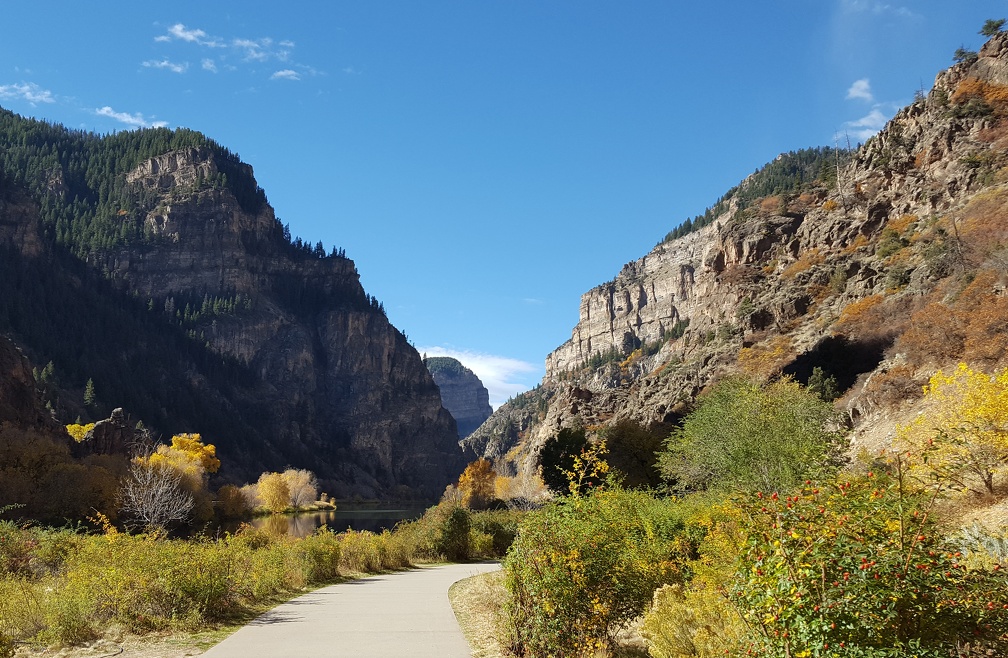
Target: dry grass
{"type": "Point", "coordinates": [477, 603]}
{"type": "Point", "coordinates": [164, 645]}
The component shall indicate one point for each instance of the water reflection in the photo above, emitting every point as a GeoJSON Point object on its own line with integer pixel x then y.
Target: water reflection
{"type": "Point", "coordinates": [302, 525]}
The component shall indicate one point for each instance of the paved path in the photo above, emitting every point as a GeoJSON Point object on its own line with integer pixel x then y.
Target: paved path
{"type": "Point", "coordinates": [400, 614]}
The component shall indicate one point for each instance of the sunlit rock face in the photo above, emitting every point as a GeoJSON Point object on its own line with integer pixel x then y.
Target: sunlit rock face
{"type": "Point", "coordinates": [462, 393]}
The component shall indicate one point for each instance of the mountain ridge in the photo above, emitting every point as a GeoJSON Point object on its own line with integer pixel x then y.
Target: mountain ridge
{"type": "Point", "coordinates": [217, 321]}
{"type": "Point", "coordinates": [839, 273]}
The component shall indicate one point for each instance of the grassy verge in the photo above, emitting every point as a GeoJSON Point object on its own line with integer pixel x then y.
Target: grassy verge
{"type": "Point", "coordinates": [477, 603]}
{"type": "Point", "coordinates": [61, 588]}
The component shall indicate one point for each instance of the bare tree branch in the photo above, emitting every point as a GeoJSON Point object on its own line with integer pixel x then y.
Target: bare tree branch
{"type": "Point", "coordinates": [153, 497]}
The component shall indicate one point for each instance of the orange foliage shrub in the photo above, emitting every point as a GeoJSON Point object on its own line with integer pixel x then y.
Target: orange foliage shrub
{"type": "Point", "coordinates": [932, 336]}
{"type": "Point", "coordinates": [829, 205]}
{"type": "Point", "coordinates": [857, 317]}
{"type": "Point", "coordinates": [973, 328]}
{"type": "Point", "coordinates": [993, 94]}
{"type": "Point", "coordinates": [770, 204]}
{"type": "Point", "coordinates": [984, 226]}
{"type": "Point", "coordinates": [901, 224]}
{"type": "Point", "coordinates": [860, 241]}
{"type": "Point", "coordinates": [984, 315]}
{"type": "Point", "coordinates": [925, 157]}
{"type": "Point", "coordinates": [766, 359]}
{"type": "Point", "coordinates": [804, 262]}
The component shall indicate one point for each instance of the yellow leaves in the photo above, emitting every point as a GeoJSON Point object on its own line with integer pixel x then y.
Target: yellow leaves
{"type": "Point", "coordinates": [477, 483]}
{"type": "Point", "coordinates": [767, 358]}
{"type": "Point", "coordinates": [963, 434]}
{"type": "Point", "coordinates": [273, 492]}
{"type": "Point", "coordinates": [192, 446]}
{"type": "Point", "coordinates": [78, 431]}
{"type": "Point", "coordinates": [588, 468]}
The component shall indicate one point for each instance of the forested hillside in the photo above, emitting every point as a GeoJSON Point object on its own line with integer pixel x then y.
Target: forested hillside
{"type": "Point", "coordinates": [148, 268]}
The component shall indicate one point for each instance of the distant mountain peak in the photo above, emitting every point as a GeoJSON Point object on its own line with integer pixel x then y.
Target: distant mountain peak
{"type": "Point", "coordinates": [462, 393]}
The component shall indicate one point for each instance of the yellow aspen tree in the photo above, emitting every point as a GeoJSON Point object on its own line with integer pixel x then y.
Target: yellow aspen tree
{"type": "Point", "coordinates": [273, 492]}
{"type": "Point", "coordinates": [477, 483]}
{"type": "Point", "coordinates": [963, 429]}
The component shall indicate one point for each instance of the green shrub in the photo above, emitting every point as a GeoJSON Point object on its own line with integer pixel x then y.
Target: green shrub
{"type": "Point", "coordinates": [360, 552]}
{"type": "Point", "coordinates": [501, 525]}
{"type": "Point", "coordinates": [745, 436]}
{"type": "Point", "coordinates": [860, 567]}
{"type": "Point", "coordinates": [454, 534]}
{"type": "Point", "coordinates": [580, 569]}
{"type": "Point", "coordinates": [321, 553]}
{"type": "Point", "coordinates": [148, 583]}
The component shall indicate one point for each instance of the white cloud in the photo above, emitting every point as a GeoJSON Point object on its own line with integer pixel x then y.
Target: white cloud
{"type": "Point", "coordinates": [136, 120]}
{"type": "Point", "coordinates": [286, 74]}
{"type": "Point", "coordinates": [498, 373]}
{"type": "Point", "coordinates": [861, 89]}
{"type": "Point", "coordinates": [179, 32]}
{"type": "Point", "coordinates": [863, 128]}
{"type": "Point", "coordinates": [259, 50]}
{"type": "Point", "coordinates": [872, 7]}
{"type": "Point", "coordinates": [26, 91]}
{"type": "Point", "coordinates": [167, 64]}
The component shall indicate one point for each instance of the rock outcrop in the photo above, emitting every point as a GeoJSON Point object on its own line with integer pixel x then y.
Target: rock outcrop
{"type": "Point", "coordinates": [462, 393]}
{"type": "Point", "coordinates": [780, 282]}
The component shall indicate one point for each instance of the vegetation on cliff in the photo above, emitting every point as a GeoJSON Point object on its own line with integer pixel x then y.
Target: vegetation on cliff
{"type": "Point", "coordinates": [145, 270]}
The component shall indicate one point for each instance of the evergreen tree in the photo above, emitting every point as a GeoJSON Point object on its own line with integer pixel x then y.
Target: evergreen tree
{"type": "Point", "coordinates": [89, 393]}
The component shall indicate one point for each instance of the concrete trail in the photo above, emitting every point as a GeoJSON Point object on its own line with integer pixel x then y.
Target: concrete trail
{"type": "Point", "coordinates": [399, 614]}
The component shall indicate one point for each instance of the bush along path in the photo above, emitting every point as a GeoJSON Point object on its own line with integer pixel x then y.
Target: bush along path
{"type": "Point", "coordinates": [398, 614]}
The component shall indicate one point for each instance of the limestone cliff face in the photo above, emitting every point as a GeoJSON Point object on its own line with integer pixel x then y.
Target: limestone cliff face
{"type": "Point", "coordinates": [462, 393]}
{"type": "Point", "coordinates": [332, 386]}
{"type": "Point", "coordinates": [768, 285]}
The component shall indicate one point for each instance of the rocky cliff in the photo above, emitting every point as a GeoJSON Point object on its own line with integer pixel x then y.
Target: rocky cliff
{"type": "Point", "coordinates": [282, 359]}
{"type": "Point", "coordinates": [462, 393]}
{"type": "Point", "coordinates": [873, 271]}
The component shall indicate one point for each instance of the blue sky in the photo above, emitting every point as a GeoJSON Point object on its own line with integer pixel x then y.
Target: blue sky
{"type": "Point", "coordinates": [486, 162]}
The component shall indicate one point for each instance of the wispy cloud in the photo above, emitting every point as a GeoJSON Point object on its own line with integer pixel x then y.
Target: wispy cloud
{"type": "Point", "coordinates": [179, 32]}
{"type": "Point", "coordinates": [235, 50]}
{"type": "Point", "coordinates": [167, 64]}
{"type": "Point", "coordinates": [875, 7]}
{"type": "Point", "coordinates": [135, 120]}
{"type": "Point", "coordinates": [500, 374]}
{"type": "Point", "coordinates": [861, 90]}
{"type": "Point", "coordinates": [26, 91]}
{"type": "Point", "coordinates": [863, 128]}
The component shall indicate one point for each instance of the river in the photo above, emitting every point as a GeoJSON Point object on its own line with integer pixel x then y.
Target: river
{"type": "Point", "coordinates": [338, 520]}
